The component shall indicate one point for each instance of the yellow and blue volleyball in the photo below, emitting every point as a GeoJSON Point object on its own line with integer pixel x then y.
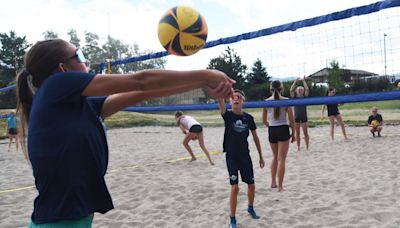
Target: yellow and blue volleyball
{"type": "Point", "coordinates": [182, 31]}
{"type": "Point", "coordinates": [375, 123]}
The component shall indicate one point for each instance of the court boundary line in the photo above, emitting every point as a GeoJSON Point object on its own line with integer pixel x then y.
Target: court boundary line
{"type": "Point", "coordinates": [112, 171]}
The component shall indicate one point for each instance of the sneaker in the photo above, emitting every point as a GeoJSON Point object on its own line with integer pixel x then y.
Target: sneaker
{"type": "Point", "coordinates": [252, 213]}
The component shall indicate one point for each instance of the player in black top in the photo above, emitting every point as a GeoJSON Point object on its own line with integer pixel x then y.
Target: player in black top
{"type": "Point", "coordinates": [333, 113]}
{"type": "Point", "coordinates": [238, 124]}
{"type": "Point", "coordinates": [375, 122]}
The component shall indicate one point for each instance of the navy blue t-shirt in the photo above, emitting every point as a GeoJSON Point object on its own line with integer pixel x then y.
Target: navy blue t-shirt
{"type": "Point", "coordinates": [68, 150]}
{"type": "Point", "coordinates": [377, 117]}
{"type": "Point", "coordinates": [236, 133]}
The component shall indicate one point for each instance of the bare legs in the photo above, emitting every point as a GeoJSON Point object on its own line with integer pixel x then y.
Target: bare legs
{"type": "Point", "coordinates": [306, 136]}
{"type": "Point", "coordinates": [11, 137]}
{"type": "Point", "coordinates": [203, 147]}
{"type": "Point", "coordinates": [274, 163]}
{"type": "Point", "coordinates": [192, 136]}
{"type": "Point", "coordinates": [332, 125]}
{"type": "Point", "coordinates": [251, 192]}
{"type": "Point", "coordinates": [233, 197]}
{"type": "Point", "coordinates": [279, 151]}
{"type": "Point", "coordinates": [297, 130]}
{"type": "Point", "coordinates": [376, 129]}
{"type": "Point", "coordinates": [304, 126]}
{"type": "Point", "coordinates": [340, 122]}
{"type": "Point", "coordinates": [185, 143]}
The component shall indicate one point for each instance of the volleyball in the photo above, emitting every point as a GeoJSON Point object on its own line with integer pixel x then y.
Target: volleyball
{"type": "Point", "coordinates": [182, 31]}
{"type": "Point", "coordinates": [375, 123]}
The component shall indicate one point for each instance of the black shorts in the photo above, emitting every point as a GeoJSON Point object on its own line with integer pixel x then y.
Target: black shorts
{"type": "Point", "coordinates": [244, 165]}
{"type": "Point", "coordinates": [333, 113]}
{"type": "Point", "coordinates": [196, 129]}
{"type": "Point", "coordinates": [278, 133]}
{"type": "Point", "coordinates": [301, 120]}
{"type": "Point", "coordinates": [12, 131]}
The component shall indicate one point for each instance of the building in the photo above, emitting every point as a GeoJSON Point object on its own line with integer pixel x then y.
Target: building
{"type": "Point", "coordinates": [348, 75]}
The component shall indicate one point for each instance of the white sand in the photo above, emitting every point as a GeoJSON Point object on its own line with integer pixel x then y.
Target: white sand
{"type": "Point", "coordinates": [351, 183]}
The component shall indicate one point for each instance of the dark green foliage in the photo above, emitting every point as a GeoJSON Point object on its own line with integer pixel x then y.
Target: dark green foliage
{"type": "Point", "coordinates": [231, 64]}
{"type": "Point", "coordinates": [12, 53]}
{"type": "Point", "coordinates": [73, 38]}
{"type": "Point", "coordinates": [258, 74]}
{"type": "Point", "coordinates": [335, 78]}
{"type": "Point", "coordinates": [50, 35]}
{"type": "Point", "coordinates": [371, 85]}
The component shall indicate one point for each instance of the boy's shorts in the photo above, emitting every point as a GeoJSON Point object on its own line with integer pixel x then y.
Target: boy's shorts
{"type": "Point", "coordinates": [244, 165]}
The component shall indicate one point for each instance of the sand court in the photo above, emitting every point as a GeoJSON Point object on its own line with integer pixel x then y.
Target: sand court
{"type": "Point", "coordinates": [352, 183]}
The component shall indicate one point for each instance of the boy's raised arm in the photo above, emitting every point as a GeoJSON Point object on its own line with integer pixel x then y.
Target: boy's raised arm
{"type": "Point", "coordinates": [222, 106]}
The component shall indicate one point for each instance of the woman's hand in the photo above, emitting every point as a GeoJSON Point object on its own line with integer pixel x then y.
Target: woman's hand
{"type": "Point", "coordinates": [293, 138]}
{"type": "Point", "coordinates": [262, 163]}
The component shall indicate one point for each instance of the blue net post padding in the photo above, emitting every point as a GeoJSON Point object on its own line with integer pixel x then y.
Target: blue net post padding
{"type": "Point", "coordinates": [337, 99]}
{"type": "Point", "coordinates": [293, 26]}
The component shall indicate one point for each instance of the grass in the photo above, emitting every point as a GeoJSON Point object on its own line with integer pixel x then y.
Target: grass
{"type": "Point", "coordinates": [354, 114]}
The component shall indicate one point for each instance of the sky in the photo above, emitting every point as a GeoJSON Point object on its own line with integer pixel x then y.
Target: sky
{"type": "Point", "coordinates": [136, 21]}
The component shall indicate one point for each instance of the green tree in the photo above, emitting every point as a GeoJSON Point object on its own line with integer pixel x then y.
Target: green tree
{"type": "Point", "coordinates": [73, 38]}
{"type": "Point", "coordinates": [257, 82]}
{"type": "Point", "coordinates": [231, 64]}
{"type": "Point", "coordinates": [335, 78]}
{"type": "Point", "coordinates": [115, 49]}
{"type": "Point", "coordinates": [11, 56]}
{"type": "Point", "coordinates": [158, 63]}
{"type": "Point", "coordinates": [93, 51]}
{"type": "Point", "coordinates": [12, 53]}
{"type": "Point", "coordinates": [258, 74]}
{"type": "Point", "coordinates": [50, 35]}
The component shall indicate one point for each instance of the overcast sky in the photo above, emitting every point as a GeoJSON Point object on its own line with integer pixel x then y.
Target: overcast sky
{"type": "Point", "coordinates": [135, 21]}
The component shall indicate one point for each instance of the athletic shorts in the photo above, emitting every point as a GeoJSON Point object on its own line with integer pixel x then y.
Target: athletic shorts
{"type": "Point", "coordinates": [244, 165]}
{"type": "Point", "coordinates": [80, 223]}
{"type": "Point", "coordinates": [335, 113]}
{"type": "Point", "coordinates": [12, 131]}
{"type": "Point", "coordinates": [196, 129]}
{"type": "Point", "coordinates": [301, 120]}
{"type": "Point", "coordinates": [278, 133]}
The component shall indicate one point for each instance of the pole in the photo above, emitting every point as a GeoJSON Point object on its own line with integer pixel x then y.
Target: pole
{"type": "Point", "coordinates": [384, 50]}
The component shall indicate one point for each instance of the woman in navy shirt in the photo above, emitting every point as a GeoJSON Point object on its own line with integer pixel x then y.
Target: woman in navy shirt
{"type": "Point", "coordinates": [67, 145]}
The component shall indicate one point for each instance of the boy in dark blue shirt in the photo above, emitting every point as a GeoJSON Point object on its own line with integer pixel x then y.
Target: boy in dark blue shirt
{"type": "Point", "coordinates": [237, 127]}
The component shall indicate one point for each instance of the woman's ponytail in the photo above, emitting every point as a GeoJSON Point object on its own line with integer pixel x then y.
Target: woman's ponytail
{"type": "Point", "coordinates": [276, 89]}
{"type": "Point", "coordinates": [24, 104]}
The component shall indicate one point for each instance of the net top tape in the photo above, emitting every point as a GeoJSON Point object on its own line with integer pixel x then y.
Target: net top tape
{"type": "Point", "coordinates": [293, 26]}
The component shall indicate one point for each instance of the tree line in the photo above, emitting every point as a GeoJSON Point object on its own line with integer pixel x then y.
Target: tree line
{"type": "Point", "coordinates": [14, 47]}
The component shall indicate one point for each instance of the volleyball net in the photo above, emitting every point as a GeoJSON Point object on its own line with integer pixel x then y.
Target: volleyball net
{"type": "Point", "coordinates": [364, 41]}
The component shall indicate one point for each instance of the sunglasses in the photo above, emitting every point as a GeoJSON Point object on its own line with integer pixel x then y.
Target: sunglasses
{"type": "Point", "coordinates": [79, 55]}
